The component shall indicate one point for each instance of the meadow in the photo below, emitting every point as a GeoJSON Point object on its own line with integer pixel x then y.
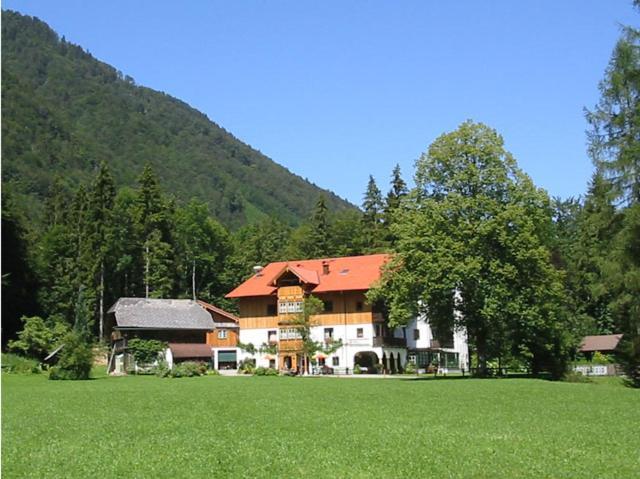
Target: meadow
{"type": "Point", "coordinates": [318, 427]}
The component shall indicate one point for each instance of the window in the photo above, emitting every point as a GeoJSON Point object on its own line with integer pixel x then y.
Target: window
{"type": "Point", "coordinates": [360, 333]}
{"type": "Point", "coordinates": [222, 334]}
{"type": "Point", "coordinates": [359, 306]}
{"type": "Point", "coordinates": [271, 310]}
{"type": "Point", "coordinates": [328, 334]}
{"type": "Point", "coordinates": [328, 306]}
{"type": "Point", "coordinates": [289, 307]}
{"type": "Point", "coordinates": [289, 333]}
{"type": "Point", "coordinates": [272, 336]}
{"type": "Point", "coordinates": [416, 334]}
{"type": "Point", "coordinates": [335, 361]}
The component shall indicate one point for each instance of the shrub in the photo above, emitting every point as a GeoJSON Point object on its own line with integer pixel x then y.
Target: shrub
{"type": "Point", "coordinates": [38, 337]}
{"type": "Point", "coordinates": [575, 377]}
{"type": "Point", "coordinates": [599, 358]}
{"type": "Point", "coordinates": [12, 363]}
{"type": "Point", "coordinates": [247, 366]}
{"type": "Point", "coordinates": [186, 369]}
{"type": "Point", "coordinates": [357, 369]}
{"type": "Point", "coordinates": [260, 371]}
{"type": "Point", "coordinates": [76, 359]}
{"type": "Point", "coordinates": [145, 351]}
{"type": "Point", "coordinates": [410, 368]}
{"type": "Point", "coordinates": [271, 372]}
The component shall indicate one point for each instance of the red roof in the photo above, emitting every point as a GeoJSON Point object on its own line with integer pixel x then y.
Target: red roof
{"type": "Point", "coordinates": [351, 273]}
{"type": "Point", "coordinates": [604, 342]}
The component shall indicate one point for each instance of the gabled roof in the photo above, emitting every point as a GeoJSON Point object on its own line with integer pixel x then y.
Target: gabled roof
{"type": "Point", "coordinates": [604, 342]}
{"type": "Point", "coordinates": [305, 275]}
{"type": "Point", "coordinates": [145, 313]}
{"type": "Point", "coordinates": [352, 273]}
{"type": "Point", "coordinates": [231, 320]}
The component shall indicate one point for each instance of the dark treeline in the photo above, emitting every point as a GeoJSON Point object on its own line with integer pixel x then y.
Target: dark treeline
{"type": "Point", "coordinates": [100, 243]}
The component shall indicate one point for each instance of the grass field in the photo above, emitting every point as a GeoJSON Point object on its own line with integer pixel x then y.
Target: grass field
{"type": "Point", "coordinates": [318, 427]}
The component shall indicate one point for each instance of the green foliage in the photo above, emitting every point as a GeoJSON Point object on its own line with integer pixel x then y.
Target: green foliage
{"type": "Point", "coordinates": [247, 347]}
{"type": "Point", "coordinates": [357, 369]}
{"type": "Point", "coordinates": [145, 351]}
{"type": "Point", "coordinates": [13, 363]}
{"type": "Point", "coordinates": [575, 377]}
{"type": "Point", "coordinates": [628, 356]}
{"type": "Point", "coordinates": [76, 359]}
{"type": "Point", "coordinates": [18, 280]}
{"type": "Point", "coordinates": [38, 337]}
{"type": "Point", "coordinates": [247, 366]}
{"type": "Point", "coordinates": [265, 372]}
{"type": "Point", "coordinates": [188, 369]}
{"type": "Point", "coordinates": [410, 368]}
{"type": "Point", "coordinates": [473, 251]}
{"type": "Point", "coordinates": [63, 111]}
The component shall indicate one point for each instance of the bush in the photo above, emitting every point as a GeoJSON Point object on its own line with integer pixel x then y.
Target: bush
{"type": "Point", "coordinates": [186, 369]}
{"type": "Point", "coordinates": [12, 363]}
{"type": "Point", "coordinates": [145, 351]}
{"type": "Point", "coordinates": [357, 369]}
{"type": "Point", "coordinates": [575, 377]}
{"type": "Point", "coordinates": [38, 337]}
{"type": "Point", "coordinates": [76, 360]}
{"type": "Point", "coordinates": [265, 372]}
{"type": "Point", "coordinates": [247, 366]}
{"type": "Point", "coordinates": [410, 368]}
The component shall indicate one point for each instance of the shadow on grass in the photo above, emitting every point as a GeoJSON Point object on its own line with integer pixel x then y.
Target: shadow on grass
{"type": "Point", "coordinates": [466, 377]}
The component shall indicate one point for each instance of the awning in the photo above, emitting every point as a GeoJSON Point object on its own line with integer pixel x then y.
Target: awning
{"type": "Point", "coordinates": [227, 356]}
{"type": "Point", "coordinates": [190, 350]}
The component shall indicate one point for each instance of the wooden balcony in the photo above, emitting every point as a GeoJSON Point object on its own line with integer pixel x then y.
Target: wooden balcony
{"type": "Point", "coordinates": [380, 341]}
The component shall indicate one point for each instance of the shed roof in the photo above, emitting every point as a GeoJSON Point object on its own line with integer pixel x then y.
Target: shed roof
{"type": "Point", "coordinates": [350, 273]}
{"type": "Point", "coordinates": [144, 313]}
{"type": "Point", "coordinates": [604, 342]}
{"type": "Point", "coordinates": [190, 350]}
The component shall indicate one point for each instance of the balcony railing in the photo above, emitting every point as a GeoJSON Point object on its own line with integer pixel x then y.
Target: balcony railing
{"type": "Point", "coordinates": [379, 341]}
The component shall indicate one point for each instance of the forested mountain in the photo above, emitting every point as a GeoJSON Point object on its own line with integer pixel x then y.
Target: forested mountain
{"type": "Point", "coordinates": [64, 112]}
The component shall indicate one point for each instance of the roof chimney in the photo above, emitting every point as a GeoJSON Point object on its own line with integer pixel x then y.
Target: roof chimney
{"type": "Point", "coordinates": [325, 267]}
{"type": "Point", "coordinates": [257, 269]}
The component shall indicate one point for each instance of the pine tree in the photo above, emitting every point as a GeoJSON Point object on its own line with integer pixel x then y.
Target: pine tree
{"type": "Point", "coordinates": [101, 231]}
{"type": "Point", "coordinates": [373, 208]}
{"type": "Point", "coordinates": [394, 196]}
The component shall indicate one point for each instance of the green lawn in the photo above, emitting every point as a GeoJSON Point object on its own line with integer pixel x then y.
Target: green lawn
{"type": "Point", "coordinates": [318, 427]}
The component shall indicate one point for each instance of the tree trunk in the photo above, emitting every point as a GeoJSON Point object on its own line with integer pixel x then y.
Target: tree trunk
{"type": "Point", "coordinates": [193, 279]}
{"type": "Point", "coordinates": [146, 272]}
{"type": "Point", "coordinates": [101, 301]}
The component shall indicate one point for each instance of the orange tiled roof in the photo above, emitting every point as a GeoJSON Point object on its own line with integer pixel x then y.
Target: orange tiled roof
{"type": "Point", "coordinates": [351, 273]}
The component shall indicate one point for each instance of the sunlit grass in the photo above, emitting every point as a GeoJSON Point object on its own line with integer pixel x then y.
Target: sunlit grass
{"type": "Point", "coordinates": [318, 427]}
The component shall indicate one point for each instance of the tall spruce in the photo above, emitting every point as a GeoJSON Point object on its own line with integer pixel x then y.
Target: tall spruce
{"type": "Point", "coordinates": [394, 197]}
{"type": "Point", "coordinates": [372, 216]}
{"type": "Point", "coordinates": [101, 234]}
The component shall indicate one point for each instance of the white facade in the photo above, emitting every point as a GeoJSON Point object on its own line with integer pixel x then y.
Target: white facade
{"type": "Point", "coordinates": [360, 338]}
{"type": "Point", "coordinates": [419, 337]}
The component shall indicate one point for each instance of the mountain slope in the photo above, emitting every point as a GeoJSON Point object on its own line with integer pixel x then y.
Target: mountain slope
{"type": "Point", "coordinates": [63, 112]}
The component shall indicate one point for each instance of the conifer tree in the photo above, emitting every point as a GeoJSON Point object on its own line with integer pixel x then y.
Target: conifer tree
{"type": "Point", "coordinates": [372, 216]}
{"type": "Point", "coordinates": [101, 233]}
{"type": "Point", "coordinates": [394, 196]}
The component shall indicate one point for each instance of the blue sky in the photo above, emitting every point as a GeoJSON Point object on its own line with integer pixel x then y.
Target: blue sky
{"type": "Point", "coordinates": [338, 90]}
